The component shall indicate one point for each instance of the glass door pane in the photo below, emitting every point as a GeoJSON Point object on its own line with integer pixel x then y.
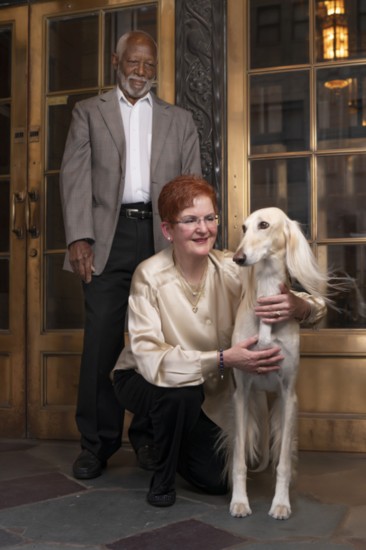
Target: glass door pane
{"type": "Point", "coordinates": [279, 112]}
{"type": "Point", "coordinates": [341, 107]}
{"type": "Point", "coordinates": [279, 33]}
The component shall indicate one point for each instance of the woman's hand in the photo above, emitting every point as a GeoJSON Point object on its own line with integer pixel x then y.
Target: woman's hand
{"type": "Point", "coordinates": [241, 357]}
{"type": "Point", "coordinates": [282, 307]}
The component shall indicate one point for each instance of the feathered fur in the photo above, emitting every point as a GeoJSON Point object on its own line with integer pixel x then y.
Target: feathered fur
{"type": "Point", "coordinates": [275, 250]}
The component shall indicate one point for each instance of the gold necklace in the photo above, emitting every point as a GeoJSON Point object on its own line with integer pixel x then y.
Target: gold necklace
{"type": "Point", "coordinates": [196, 292]}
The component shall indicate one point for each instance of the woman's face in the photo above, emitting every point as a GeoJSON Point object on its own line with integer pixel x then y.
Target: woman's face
{"type": "Point", "coordinates": [194, 231]}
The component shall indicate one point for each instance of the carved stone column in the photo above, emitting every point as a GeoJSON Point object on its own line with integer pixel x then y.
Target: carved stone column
{"type": "Point", "coordinates": [201, 84]}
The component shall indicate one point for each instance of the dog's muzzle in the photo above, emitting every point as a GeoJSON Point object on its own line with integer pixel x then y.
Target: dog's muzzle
{"type": "Point", "coordinates": [240, 259]}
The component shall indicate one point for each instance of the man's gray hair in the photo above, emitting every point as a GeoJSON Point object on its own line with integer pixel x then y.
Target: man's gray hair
{"type": "Point", "coordinates": [122, 42]}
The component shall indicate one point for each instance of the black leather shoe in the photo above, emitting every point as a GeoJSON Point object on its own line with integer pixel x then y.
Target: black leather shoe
{"type": "Point", "coordinates": [147, 457]}
{"type": "Point", "coordinates": [163, 500]}
{"type": "Point", "coordinates": [87, 465]}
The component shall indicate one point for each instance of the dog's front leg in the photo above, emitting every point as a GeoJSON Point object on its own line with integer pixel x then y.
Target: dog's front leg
{"type": "Point", "coordinates": [239, 506]}
{"type": "Point", "coordinates": [281, 508]}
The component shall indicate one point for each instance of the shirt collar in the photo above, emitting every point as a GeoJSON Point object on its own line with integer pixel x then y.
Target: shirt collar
{"type": "Point", "coordinates": [121, 96]}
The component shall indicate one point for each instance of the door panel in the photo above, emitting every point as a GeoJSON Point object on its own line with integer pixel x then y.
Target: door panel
{"type": "Point", "coordinates": [74, 49]}
{"type": "Point", "coordinates": [13, 155]}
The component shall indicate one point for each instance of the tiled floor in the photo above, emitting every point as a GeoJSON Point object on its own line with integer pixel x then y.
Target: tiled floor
{"type": "Point", "coordinates": [43, 507]}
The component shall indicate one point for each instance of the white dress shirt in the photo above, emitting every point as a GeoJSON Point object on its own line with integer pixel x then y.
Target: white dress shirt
{"type": "Point", "coordinates": [137, 123]}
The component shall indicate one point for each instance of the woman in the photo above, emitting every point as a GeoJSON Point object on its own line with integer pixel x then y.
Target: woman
{"type": "Point", "coordinates": [182, 309]}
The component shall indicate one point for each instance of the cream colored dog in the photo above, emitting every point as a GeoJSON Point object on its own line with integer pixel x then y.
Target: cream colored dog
{"type": "Point", "coordinates": [274, 248]}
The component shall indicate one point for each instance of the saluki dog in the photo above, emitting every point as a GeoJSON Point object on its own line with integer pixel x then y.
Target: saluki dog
{"type": "Point", "coordinates": [276, 251]}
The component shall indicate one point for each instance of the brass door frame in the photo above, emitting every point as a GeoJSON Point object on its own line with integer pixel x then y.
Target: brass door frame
{"type": "Point", "coordinates": [332, 408]}
{"type": "Point", "coordinates": [12, 342]}
{"type": "Point", "coordinates": [52, 354]}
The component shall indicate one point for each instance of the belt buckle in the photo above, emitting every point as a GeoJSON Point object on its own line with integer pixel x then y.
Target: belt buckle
{"type": "Point", "coordinates": [130, 212]}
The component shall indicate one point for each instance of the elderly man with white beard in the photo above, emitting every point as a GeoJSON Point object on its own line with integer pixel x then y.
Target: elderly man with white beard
{"type": "Point", "coordinates": [122, 147]}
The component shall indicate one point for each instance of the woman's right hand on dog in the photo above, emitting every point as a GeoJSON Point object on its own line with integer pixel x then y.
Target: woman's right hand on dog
{"type": "Point", "coordinates": [241, 357]}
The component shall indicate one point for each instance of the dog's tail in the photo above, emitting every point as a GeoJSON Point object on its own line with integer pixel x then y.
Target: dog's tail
{"type": "Point", "coordinates": [257, 445]}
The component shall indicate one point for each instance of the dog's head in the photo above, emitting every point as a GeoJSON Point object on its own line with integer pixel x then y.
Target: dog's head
{"type": "Point", "coordinates": [265, 234]}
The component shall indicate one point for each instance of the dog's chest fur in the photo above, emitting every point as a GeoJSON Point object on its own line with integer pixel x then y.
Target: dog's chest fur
{"type": "Point", "coordinates": [285, 335]}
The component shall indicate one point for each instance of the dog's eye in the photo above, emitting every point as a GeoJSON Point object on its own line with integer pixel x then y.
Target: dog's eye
{"type": "Point", "coordinates": [244, 228]}
{"type": "Point", "coordinates": [263, 225]}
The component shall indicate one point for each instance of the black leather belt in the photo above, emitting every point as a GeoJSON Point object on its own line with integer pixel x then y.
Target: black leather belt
{"type": "Point", "coordinates": [137, 211]}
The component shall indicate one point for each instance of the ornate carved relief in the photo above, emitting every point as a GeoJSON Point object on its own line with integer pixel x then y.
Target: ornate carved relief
{"type": "Point", "coordinates": [201, 83]}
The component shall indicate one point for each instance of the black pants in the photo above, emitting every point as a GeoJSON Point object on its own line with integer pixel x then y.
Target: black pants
{"type": "Point", "coordinates": [185, 437]}
{"type": "Point", "coordinates": [99, 416]}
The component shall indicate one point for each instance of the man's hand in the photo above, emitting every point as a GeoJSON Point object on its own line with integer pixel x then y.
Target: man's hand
{"type": "Point", "coordinates": [81, 259]}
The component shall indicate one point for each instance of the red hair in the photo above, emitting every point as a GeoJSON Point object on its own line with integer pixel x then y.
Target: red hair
{"type": "Point", "coordinates": [180, 193]}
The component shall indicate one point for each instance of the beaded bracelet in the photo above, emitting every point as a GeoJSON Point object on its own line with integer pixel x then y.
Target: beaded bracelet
{"type": "Point", "coordinates": [221, 363]}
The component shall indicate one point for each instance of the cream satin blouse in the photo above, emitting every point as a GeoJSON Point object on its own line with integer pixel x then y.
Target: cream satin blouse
{"type": "Point", "coordinates": [169, 344]}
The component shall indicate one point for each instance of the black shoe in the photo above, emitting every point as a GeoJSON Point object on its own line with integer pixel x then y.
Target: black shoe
{"type": "Point", "coordinates": [147, 457]}
{"type": "Point", "coordinates": [87, 465]}
{"type": "Point", "coordinates": [163, 500]}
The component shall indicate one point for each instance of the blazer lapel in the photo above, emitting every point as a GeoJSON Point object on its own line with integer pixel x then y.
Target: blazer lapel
{"type": "Point", "coordinates": [110, 112]}
{"type": "Point", "coordinates": [160, 126]}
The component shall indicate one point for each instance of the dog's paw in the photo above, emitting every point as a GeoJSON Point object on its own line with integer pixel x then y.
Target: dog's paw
{"type": "Point", "coordinates": [240, 509]}
{"type": "Point", "coordinates": [280, 511]}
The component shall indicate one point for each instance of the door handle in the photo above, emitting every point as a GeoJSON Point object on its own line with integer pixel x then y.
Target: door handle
{"type": "Point", "coordinates": [18, 197]}
{"type": "Point", "coordinates": [33, 196]}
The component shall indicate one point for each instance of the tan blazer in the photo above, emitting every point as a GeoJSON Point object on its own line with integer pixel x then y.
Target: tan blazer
{"type": "Point", "coordinates": [93, 168]}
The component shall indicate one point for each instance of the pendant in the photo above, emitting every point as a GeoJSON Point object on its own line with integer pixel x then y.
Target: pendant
{"type": "Point", "coordinates": [195, 309]}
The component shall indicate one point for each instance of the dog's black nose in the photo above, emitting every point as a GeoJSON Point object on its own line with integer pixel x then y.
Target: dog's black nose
{"type": "Point", "coordinates": [240, 259]}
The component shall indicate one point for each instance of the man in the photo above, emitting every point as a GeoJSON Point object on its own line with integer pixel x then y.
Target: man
{"type": "Point", "coordinates": [122, 147]}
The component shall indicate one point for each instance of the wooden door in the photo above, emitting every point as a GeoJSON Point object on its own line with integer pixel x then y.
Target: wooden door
{"type": "Point", "coordinates": [70, 47]}
{"type": "Point", "coordinates": [13, 230]}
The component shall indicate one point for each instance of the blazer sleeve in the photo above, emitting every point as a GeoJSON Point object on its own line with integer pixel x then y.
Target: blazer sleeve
{"type": "Point", "coordinates": [191, 155]}
{"type": "Point", "coordinates": [76, 179]}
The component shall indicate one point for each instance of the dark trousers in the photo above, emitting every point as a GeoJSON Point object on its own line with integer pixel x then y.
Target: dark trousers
{"type": "Point", "coordinates": [184, 436]}
{"type": "Point", "coordinates": [99, 416]}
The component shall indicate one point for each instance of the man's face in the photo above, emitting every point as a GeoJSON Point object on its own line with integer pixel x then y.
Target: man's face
{"type": "Point", "coordinates": [137, 68]}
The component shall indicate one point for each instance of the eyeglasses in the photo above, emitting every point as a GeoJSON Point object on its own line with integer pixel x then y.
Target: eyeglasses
{"type": "Point", "coordinates": [194, 221]}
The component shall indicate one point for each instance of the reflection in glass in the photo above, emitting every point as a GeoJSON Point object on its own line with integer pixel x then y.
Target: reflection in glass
{"type": "Point", "coordinates": [4, 294]}
{"type": "Point", "coordinates": [55, 234]}
{"type": "Point", "coordinates": [117, 23]}
{"type": "Point", "coordinates": [59, 118]}
{"type": "Point", "coordinates": [284, 183]}
{"type": "Point", "coordinates": [73, 52]}
{"type": "Point", "coordinates": [341, 106]}
{"type": "Point", "coordinates": [4, 138]}
{"type": "Point", "coordinates": [279, 112]}
{"type": "Point", "coordinates": [340, 30]}
{"type": "Point", "coordinates": [341, 196]}
{"type": "Point", "coordinates": [64, 299]}
{"type": "Point", "coordinates": [279, 33]}
{"type": "Point", "coordinates": [5, 62]}
{"type": "Point", "coordinates": [347, 260]}
{"type": "Point", "coordinates": [4, 215]}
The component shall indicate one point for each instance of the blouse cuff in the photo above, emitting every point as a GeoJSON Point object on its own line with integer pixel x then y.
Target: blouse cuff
{"type": "Point", "coordinates": [209, 365]}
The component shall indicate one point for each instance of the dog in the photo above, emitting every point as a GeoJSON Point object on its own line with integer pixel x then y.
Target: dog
{"type": "Point", "coordinates": [275, 250]}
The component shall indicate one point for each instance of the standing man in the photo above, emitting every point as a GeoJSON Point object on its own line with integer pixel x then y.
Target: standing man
{"type": "Point", "coordinates": [122, 147]}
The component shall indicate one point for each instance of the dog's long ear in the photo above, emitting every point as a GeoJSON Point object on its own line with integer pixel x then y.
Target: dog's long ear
{"type": "Point", "coordinates": [301, 262]}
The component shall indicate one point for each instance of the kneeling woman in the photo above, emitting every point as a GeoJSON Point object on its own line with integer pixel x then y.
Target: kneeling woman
{"type": "Point", "coordinates": [182, 309]}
